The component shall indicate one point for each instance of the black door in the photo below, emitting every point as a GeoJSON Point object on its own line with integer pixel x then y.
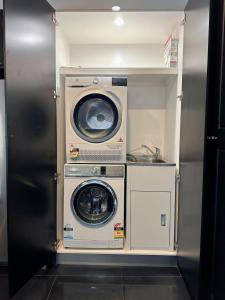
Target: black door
{"type": "Point", "coordinates": [196, 37]}
{"type": "Point", "coordinates": [215, 156]}
{"type": "Point", "coordinates": [202, 191]}
{"type": "Point", "coordinates": [31, 137]}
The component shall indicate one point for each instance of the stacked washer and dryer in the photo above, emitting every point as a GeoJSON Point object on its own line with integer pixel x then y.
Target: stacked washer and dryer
{"type": "Point", "coordinates": [94, 178]}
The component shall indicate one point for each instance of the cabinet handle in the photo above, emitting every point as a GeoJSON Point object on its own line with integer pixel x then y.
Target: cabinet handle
{"type": "Point", "coordinates": [163, 220]}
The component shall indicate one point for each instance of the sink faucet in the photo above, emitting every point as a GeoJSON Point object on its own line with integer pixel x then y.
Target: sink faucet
{"type": "Point", "coordinates": [155, 154]}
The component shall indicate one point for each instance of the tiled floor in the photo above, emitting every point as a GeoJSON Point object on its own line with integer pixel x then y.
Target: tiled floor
{"type": "Point", "coordinates": [101, 283]}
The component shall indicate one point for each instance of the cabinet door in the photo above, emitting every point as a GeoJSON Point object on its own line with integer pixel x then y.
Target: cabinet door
{"type": "Point", "coordinates": [150, 220]}
{"type": "Point", "coordinates": [31, 137]}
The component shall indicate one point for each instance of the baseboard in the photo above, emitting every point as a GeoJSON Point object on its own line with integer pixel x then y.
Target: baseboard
{"type": "Point", "coordinates": [117, 260]}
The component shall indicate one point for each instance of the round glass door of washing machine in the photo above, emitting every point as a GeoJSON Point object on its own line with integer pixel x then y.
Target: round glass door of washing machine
{"type": "Point", "coordinates": [97, 117]}
{"type": "Point", "coordinates": [94, 203]}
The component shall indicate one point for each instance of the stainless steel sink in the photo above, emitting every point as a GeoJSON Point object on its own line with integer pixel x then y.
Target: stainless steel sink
{"type": "Point", "coordinates": [144, 159]}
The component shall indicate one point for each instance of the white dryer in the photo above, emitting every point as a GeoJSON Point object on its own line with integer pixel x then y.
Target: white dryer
{"type": "Point", "coordinates": [96, 118]}
{"type": "Point", "coordinates": [94, 206]}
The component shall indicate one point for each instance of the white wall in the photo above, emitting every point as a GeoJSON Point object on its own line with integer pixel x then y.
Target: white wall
{"type": "Point", "coordinates": [62, 52]}
{"type": "Point", "coordinates": [1, 4]}
{"type": "Point", "coordinates": [146, 113]}
{"type": "Point", "coordinates": [103, 56]}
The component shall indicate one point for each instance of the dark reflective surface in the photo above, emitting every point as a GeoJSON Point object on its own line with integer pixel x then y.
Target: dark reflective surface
{"type": "Point", "coordinates": [192, 143]}
{"type": "Point", "coordinates": [133, 288]}
{"type": "Point", "coordinates": [31, 137]}
{"type": "Point", "coordinates": [102, 283]}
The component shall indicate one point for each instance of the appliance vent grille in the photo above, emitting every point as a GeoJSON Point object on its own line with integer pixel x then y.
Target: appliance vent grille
{"type": "Point", "coordinates": [96, 155]}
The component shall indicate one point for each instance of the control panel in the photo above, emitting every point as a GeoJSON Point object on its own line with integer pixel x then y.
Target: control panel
{"type": "Point", "coordinates": [73, 170]}
{"type": "Point", "coordinates": [86, 81]}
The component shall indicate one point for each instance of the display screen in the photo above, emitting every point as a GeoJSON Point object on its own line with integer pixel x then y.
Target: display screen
{"type": "Point", "coordinates": [103, 170]}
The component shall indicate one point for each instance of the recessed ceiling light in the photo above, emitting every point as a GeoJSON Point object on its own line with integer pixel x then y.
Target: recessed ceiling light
{"type": "Point", "coordinates": [116, 8]}
{"type": "Point", "coordinates": [119, 21]}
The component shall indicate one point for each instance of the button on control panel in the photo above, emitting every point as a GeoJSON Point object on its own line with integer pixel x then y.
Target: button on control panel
{"type": "Point", "coordinates": [96, 80]}
{"type": "Point", "coordinates": [94, 171]}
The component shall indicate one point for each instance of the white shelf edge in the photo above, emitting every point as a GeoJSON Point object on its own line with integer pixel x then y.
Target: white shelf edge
{"type": "Point", "coordinates": [117, 71]}
{"type": "Point", "coordinates": [62, 250]}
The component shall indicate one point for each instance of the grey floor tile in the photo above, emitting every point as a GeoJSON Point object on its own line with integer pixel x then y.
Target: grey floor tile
{"type": "Point", "coordinates": [151, 288]}
{"type": "Point", "coordinates": [98, 279]}
{"type": "Point", "coordinates": [101, 283]}
{"type": "Point", "coordinates": [68, 290]}
{"type": "Point", "coordinates": [67, 270]}
{"type": "Point", "coordinates": [155, 292]}
{"type": "Point", "coordinates": [89, 271]}
{"type": "Point", "coordinates": [35, 289]}
{"type": "Point", "coordinates": [153, 280]}
{"type": "Point", "coordinates": [150, 271]}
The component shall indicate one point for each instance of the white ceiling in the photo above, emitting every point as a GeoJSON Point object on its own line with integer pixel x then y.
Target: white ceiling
{"type": "Point", "coordinates": [124, 4]}
{"type": "Point", "coordinates": [99, 27]}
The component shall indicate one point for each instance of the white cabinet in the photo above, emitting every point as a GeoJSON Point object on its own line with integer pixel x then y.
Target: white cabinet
{"type": "Point", "coordinates": [150, 220]}
{"type": "Point", "coordinates": [150, 207]}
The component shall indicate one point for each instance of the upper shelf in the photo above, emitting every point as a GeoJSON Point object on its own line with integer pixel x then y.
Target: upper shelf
{"type": "Point", "coordinates": [117, 71]}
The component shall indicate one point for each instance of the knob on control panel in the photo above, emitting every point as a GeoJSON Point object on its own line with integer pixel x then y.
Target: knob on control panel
{"type": "Point", "coordinates": [94, 171]}
{"type": "Point", "coordinates": [96, 80]}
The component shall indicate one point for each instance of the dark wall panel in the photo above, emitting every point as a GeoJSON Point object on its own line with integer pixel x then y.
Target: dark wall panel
{"type": "Point", "coordinates": [219, 259]}
{"type": "Point", "coordinates": [31, 137]}
{"type": "Point", "coordinates": [192, 140]}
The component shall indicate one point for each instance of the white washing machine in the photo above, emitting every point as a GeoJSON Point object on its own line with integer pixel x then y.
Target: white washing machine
{"type": "Point", "coordinates": [94, 206]}
{"type": "Point", "coordinates": [96, 118]}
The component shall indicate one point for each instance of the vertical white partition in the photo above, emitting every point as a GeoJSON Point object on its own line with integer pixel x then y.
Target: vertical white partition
{"type": "Point", "coordinates": [173, 108]}
{"type": "Point", "coordinates": [62, 58]}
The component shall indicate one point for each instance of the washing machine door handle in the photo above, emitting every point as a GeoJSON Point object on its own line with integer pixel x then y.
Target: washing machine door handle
{"type": "Point", "coordinates": [96, 205]}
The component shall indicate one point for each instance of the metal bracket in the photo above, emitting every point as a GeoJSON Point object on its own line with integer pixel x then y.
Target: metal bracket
{"type": "Point", "coordinates": [54, 19]}
{"type": "Point", "coordinates": [181, 96]}
{"type": "Point", "coordinates": [184, 20]}
{"type": "Point", "coordinates": [55, 96]}
{"type": "Point", "coordinates": [56, 176]}
{"type": "Point", "coordinates": [178, 178]}
{"type": "Point", "coordinates": [56, 244]}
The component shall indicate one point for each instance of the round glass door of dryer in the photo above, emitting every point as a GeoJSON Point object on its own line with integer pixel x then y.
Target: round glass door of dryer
{"type": "Point", "coordinates": [96, 118]}
{"type": "Point", "coordinates": [94, 203]}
